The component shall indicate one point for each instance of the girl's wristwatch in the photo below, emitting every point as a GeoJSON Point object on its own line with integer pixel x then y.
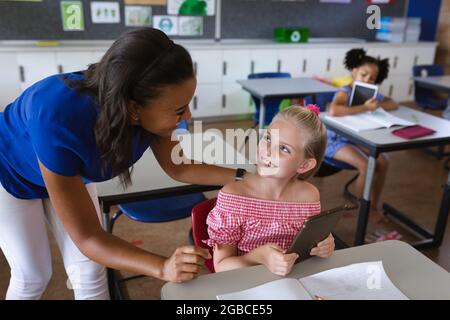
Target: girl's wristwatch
{"type": "Point", "coordinates": [240, 172]}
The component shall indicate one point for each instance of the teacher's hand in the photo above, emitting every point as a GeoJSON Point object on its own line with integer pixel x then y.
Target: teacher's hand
{"type": "Point", "coordinates": [184, 264]}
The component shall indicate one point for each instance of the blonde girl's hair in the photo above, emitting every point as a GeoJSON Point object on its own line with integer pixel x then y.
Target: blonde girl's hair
{"type": "Point", "coordinates": [315, 131]}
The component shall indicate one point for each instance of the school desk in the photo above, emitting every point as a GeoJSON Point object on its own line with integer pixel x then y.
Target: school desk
{"type": "Point", "coordinates": [409, 270]}
{"type": "Point", "coordinates": [283, 88]}
{"type": "Point", "coordinates": [382, 140]}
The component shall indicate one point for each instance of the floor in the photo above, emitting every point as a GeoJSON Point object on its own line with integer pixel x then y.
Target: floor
{"type": "Point", "coordinates": [414, 185]}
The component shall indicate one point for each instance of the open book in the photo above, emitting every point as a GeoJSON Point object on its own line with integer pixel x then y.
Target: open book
{"type": "Point", "coordinates": [379, 118]}
{"type": "Point", "coordinates": [360, 281]}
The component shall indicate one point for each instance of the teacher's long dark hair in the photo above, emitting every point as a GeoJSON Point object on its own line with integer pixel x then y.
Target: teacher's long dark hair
{"type": "Point", "coordinates": [135, 68]}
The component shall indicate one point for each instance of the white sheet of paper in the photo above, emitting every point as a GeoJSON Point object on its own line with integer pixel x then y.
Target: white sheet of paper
{"type": "Point", "coordinates": [360, 281]}
{"type": "Point", "coordinates": [105, 12]}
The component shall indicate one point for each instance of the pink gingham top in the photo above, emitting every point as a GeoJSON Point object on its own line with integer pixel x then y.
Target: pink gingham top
{"type": "Point", "coordinates": [248, 223]}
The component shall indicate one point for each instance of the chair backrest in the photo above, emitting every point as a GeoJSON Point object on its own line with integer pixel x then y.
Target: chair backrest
{"type": "Point", "coordinates": [322, 100]}
{"type": "Point", "coordinates": [200, 229]}
{"type": "Point", "coordinates": [422, 94]}
{"type": "Point", "coordinates": [272, 105]}
{"type": "Point", "coordinates": [428, 70]}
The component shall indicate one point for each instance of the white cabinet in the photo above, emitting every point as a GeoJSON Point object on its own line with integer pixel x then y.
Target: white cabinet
{"type": "Point", "coordinates": [9, 79]}
{"type": "Point", "coordinates": [335, 62]}
{"type": "Point", "coordinates": [97, 56]}
{"type": "Point", "coordinates": [207, 65]}
{"type": "Point", "coordinates": [424, 55]}
{"type": "Point", "coordinates": [264, 60]}
{"type": "Point", "coordinates": [292, 61]}
{"type": "Point", "coordinates": [73, 61]}
{"type": "Point", "coordinates": [235, 65]}
{"type": "Point", "coordinates": [315, 62]}
{"type": "Point", "coordinates": [236, 100]}
{"type": "Point", "coordinates": [35, 66]}
{"type": "Point", "coordinates": [207, 101]}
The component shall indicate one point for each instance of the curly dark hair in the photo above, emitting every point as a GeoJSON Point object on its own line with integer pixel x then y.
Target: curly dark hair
{"type": "Point", "coordinates": [135, 68]}
{"type": "Point", "coordinates": [355, 58]}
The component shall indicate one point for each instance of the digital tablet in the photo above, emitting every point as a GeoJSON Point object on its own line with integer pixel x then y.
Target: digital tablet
{"type": "Point", "coordinates": [361, 92]}
{"type": "Point", "coordinates": [314, 230]}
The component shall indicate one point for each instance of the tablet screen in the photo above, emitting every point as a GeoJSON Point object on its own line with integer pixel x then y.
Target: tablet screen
{"type": "Point", "coordinates": [361, 94]}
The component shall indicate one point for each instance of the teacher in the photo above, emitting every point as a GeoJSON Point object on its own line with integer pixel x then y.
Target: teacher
{"type": "Point", "coordinates": [66, 132]}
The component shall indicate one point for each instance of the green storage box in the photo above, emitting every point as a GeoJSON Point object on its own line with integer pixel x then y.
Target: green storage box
{"type": "Point", "coordinates": [291, 35]}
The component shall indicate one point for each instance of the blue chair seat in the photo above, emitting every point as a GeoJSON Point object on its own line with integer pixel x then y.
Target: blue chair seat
{"type": "Point", "coordinates": [162, 210]}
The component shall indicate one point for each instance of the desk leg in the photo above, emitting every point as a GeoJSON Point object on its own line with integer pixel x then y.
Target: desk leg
{"type": "Point", "coordinates": [262, 114]}
{"type": "Point", "coordinates": [109, 271]}
{"type": "Point", "coordinates": [443, 214]}
{"type": "Point", "coordinates": [365, 204]}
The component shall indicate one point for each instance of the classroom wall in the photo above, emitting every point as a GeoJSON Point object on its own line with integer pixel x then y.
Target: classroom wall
{"type": "Point", "coordinates": [241, 19]}
{"type": "Point", "coordinates": [443, 36]}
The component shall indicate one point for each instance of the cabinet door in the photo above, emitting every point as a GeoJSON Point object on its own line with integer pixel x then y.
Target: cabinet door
{"type": "Point", "coordinates": [71, 62]}
{"type": "Point", "coordinates": [424, 55]}
{"type": "Point", "coordinates": [97, 56]}
{"type": "Point", "coordinates": [292, 61]}
{"type": "Point", "coordinates": [235, 65]}
{"type": "Point", "coordinates": [335, 63]}
{"type": "Point", "coordinates": [398, 87]}
{"type": "Point", "coordinates": [35, 66]}
{"type": "Point", "coordinates": [316, 63]}
{"type": "Point", "coordinates": [9, 79]}
{"type": "Point", "coordinates": [207, 65]}
{"type": "Point", "coordinates": [236, 100]}
{"type": "Point", "coordinates": [264, 61]}
{"type": "Point", "coordinates": [207, 101]}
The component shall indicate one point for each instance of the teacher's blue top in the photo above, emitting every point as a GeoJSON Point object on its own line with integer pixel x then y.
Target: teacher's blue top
{"type": "Point", "coordinates": [54, 123]}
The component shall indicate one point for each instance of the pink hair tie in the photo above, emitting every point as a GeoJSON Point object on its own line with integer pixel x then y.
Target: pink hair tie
{"type": "Point", "coordinates": [313, 108]}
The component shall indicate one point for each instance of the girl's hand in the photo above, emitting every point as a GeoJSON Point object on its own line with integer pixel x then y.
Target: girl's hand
{"type": "Point", "coordinates": [274, 258]}
{"type": "Point", "coordinates": [184, 264]}
{"type": "Point", "coordinates": [371, 104]}
{"type": "Point", "coordinates": [325, 248]}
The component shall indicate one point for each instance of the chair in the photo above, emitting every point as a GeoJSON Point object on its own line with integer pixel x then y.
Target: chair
{"type": "Point", "coordinates": [425, 98]}
{"type": "Point", "coordinates": [199, 228]}
{"type": "Point", "coordinates": [332, 166]}
{"type": "Point", "coordinates": [153, 211]}
{"type": "Point", "coordinates": [272, 105]}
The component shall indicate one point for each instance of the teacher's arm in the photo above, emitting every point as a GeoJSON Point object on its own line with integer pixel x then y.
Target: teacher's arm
{"type": "Point", "coordinates": [77, 213]}
{"type": "Point", "coordinates": [194, 173]}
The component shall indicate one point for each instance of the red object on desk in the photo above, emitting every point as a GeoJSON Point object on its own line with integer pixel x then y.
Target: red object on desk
{"type": "Point", "coordinates": [413, 132]}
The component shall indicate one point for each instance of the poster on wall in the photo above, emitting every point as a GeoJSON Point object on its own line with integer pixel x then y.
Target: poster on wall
{"type": "Point", "coordinates": [105, 12]}
{"type": "Point", "coordinates": [191, 7]}
{"type": "Point", "coordinates": [167, 24]}
{"type": "Point", "coordinates": [147, 2]}
{"type": "Point", "coordinates": [138, 16]}
{"type": "Point", "coordinates": [72, 15]}
{"type": "Point", "coordinates": [190, 26]}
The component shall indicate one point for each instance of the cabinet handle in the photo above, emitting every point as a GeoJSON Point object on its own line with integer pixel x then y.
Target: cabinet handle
{"type": "Point", "coordinates": [195, 103]}
{"type": "Point", "coordinates": [60, 69]}
{"type": "Point", "coordinates": [252, 67]}
{"type": "Point", "coordinates": [328, 64]}
{"type": "Point", "coordinates": [416, 60]}
{"type": "Point", "coordinates": [195, 68]}
{"type": "Point", "coordinates": [410, 89]}
{"type": "Point", "coordinates": [391, 89]}
{"type": "Point", "coordinates": [304, 65]}
{"type": "Point", "coordinates": [22, 73]}
{"type": "Point", "coordinates": [224, 68]}
{"type": "Point", "coordinates": [395, 62]}
{"type": "Point", "coordinates": [224, 101]}
{"type": "Point", "coordinates": [279, 65]}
